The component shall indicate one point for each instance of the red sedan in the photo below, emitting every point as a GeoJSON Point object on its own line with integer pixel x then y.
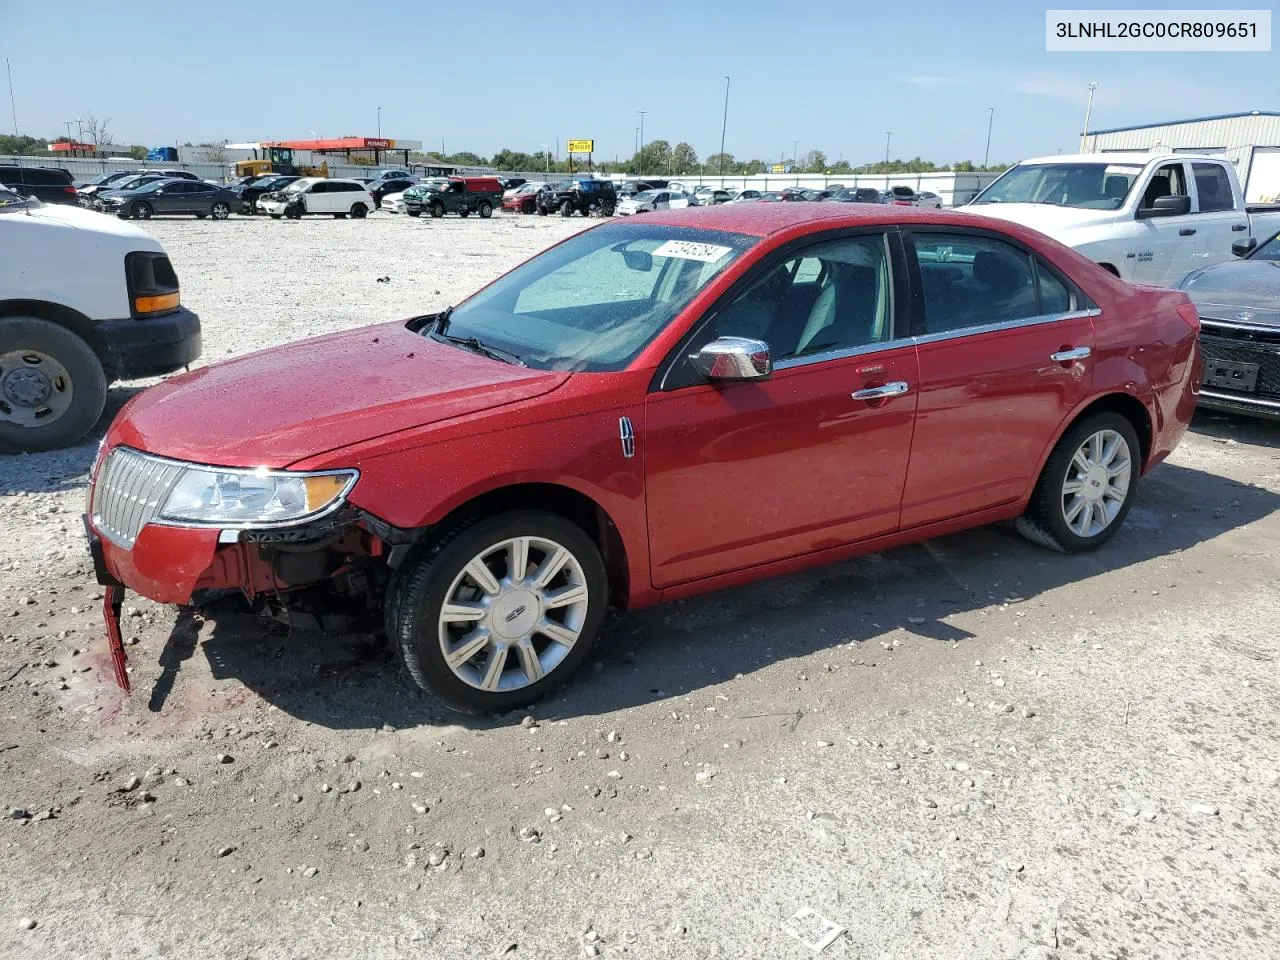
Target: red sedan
{"type": "Point", "coordinates": [652, 409]}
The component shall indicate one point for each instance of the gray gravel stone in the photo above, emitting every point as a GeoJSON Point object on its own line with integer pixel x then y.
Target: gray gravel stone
{"type": "Point", "coordinates": [26, 923]}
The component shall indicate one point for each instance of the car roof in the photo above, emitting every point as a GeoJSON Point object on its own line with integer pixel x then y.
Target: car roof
{"type": "Point", "coordinates": [764, 219]}
{"type": "Point", "coordinates": [1138, 157]}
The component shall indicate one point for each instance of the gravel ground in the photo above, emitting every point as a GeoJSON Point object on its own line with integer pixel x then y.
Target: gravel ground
{"type": "Point", "coordinates": [965, 749]}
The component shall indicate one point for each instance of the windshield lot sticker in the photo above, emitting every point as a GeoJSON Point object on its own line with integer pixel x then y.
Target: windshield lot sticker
{"type": "Point", "coordinates": [688, 250]}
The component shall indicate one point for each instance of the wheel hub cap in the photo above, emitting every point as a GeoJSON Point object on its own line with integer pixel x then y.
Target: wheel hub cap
{"type": "Point", "coordinates": [515, 613]}
{"type": "Point", "coordinates": [1097, 483]}
{"type": "Point", "coordinates": [27, 387]}
{"type": "Point", "coordinates": [35, 389]}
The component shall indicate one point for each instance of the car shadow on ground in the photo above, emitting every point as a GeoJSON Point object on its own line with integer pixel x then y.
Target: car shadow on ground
{"type": "Point", "coordinates": [52, 471]}
{"type": "Point", "coordinates": [352, 682]}
{"type": "Point", "coordinates": [1229, 428]}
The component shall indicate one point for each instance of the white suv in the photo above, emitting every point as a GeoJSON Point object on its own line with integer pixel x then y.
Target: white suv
{"type": "Point", "coordinates": [318, 195]}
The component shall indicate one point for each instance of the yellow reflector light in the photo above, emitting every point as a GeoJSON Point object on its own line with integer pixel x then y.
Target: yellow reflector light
{"type": "Point", "coordinates": [166, 301]}
{"type": "Point", "coordinates": [322, 490]}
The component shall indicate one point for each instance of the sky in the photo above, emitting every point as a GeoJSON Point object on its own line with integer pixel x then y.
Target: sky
{"type": "Point", "coordinates": [484, 76]}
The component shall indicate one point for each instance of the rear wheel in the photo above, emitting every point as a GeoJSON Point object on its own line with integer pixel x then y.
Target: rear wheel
{"type": "Point", "coordinates": [1087, 486]}
{"type": "Point", "coordinates": [566, 209]}
{"type": "Point", "coordinates": [220, 211]}
{"type": "Point", "coordinates": [141, 210]}
{"type": "Point", "coordinates": [498, 614]}
{"type": "Point", "coordinates": [52, 386]}
{"type": "Point", "coordinates": [486, 209]}
{"type": "Point", "coordinates": [359, 211]}
{"type": "Point", "coordinates": [437, 210]}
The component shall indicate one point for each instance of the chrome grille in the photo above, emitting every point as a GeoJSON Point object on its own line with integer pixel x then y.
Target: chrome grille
{"type": "Point", "coordinates": [129, 489]}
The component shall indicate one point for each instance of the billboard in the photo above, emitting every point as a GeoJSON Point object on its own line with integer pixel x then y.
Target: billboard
{"type": "Point", "coordinates": [580, 146]}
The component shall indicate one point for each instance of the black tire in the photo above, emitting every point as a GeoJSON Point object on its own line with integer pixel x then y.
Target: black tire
{"type": "Point", "coordinates": [566, 209]}
{"type": "Point", "coordinates": [87, 385]}
{"type": "Point", "coordinates": [220, 211]}
{"type": "Point", "coordinates": [437, 210]}
{"type": "Point", "coordinates": [464, 213]}
{"type": "Point", "coordinates": [414, 213]}
{"type": "Point", "coordinates": [606, 209]}
{"type": "Point", "coordinates": [485, 210]}
{"type": "Point", "coordinates": [275, 216]}
{"type": "Point", "coordinates": [339, 216]}
{"type": "Point", "coordinates": [1044, 521]}
{"type": "Point", "coordinates": [528, 207]}
{"type": "Point", "coordinates": [359, 211]}
{"type": "Point", "coordinates": [202, 216]}
{"type": "Point", "coordinates": [294, 211]}
{"type": "Point", "coordinates": [141, 210]}
{"type": "Point", "coordinates": [418, 591]}
{"type": "Point", "coordinates": [542, 211]}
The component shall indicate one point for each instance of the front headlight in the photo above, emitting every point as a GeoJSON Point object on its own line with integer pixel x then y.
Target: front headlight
{"type": "Point", "coordinates": [216, 495]}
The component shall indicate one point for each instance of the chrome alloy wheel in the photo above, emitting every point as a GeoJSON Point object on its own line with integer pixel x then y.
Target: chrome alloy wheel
{"type": "Point", "coordinates": [513, 613]}
{"type": "Point", "coordinates": [1097, 483]}
{"type": "Point", "coordinates": [34, 388]}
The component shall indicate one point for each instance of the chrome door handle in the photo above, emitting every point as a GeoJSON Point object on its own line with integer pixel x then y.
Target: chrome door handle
{"type": "Point", "coordinates": [1063, 356]}
{"type": "Point", "coordinates": [895, 389]}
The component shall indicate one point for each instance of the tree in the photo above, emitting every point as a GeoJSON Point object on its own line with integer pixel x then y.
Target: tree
{"type": "Point", "coordinates": [138, 152]}
{"type": "Point", "coordinates": [466, 158]}
{"type": "Point", "coordinates": [721, 161]}
{"type": "Point", "coordinates": [514, 160]}
{"type": "Point", "coordinates": [23, 146]}
{"type": "Point", "coordinates": [97, 131]}
{"type": "Point", "coordinates": [683, 159]}
{"type": "Point", "coordinates": [815, 161]}
{"type": "Point", "coordinates": [840, 166]}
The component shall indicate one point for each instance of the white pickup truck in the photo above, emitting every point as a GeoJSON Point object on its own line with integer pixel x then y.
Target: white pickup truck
{"type": "Point", "coordinates": [84, 300]}
{"type": "Point", "coordinates": [1147, 217]}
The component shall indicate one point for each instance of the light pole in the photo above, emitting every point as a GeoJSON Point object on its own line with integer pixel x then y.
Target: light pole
{"type": "Point", "coordinates": [991, 116]}
{"type": "Point", "coordinates": [724, 124]}
{"type": "Point", "coordinates": [640, 159]}
{"type": "Point", "coordinates": [888, 135]}
{"type": "Point", "coordinates": [379, 123]}
{"type": "Point", "coordinates": [546, 152]}
{"type": "Point", "coordinates": [1088, 111]}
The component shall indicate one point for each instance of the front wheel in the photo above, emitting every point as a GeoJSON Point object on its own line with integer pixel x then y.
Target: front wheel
{"type": "Point", "coordinates": [52, 385]}
{"type": "Point", "coordinates": [1087, 486]}
{"type": "Point", "coordinates": [527, 207]}
{"type": "Point", "coordinates": [566, 209]}
{"type": "Point", "coordinates": [359, 211]}
{"type": "Point", "coordinates": [498, 614]}
{"type": "Point", "coordinates": [486, 209]}
{"type": "Point", "coordinates": [437, 210]}
{"type": "Point", "coordinates": [141, 211]}
{"type": "Point", "coordinates": [294, 211]}
{"type": "Point", "coordinates": [414, 213]}
{"type": "Point", "coordinates": [220, 211]}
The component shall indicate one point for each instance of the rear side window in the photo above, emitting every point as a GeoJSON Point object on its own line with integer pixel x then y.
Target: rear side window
{"type": "Point", "coordinates": [972, 281]}
{"type": "Point", "coordinates": [11, 176]}
{"type": "Point", "coordinates": [323, 187]}
{"type": "Point", "coordinates": [1213, 187]}
{"type": "Point", "coordinates": [48, 178]}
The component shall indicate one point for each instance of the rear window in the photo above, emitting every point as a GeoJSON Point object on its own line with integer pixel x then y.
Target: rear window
{"type": "Point", "coordinates": [48, 178]}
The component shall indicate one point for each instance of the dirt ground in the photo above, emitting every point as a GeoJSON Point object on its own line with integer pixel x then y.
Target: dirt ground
{"type": "Point", "coordinates": [967, 749]}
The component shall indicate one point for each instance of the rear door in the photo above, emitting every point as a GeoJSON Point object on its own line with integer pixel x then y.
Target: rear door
{"type": "Point", "coordinates": [1005, 351]}
{"type": "Point", "coordinates": [199, 197]}
{"type": "Point", "coordinates": [1219, 214]}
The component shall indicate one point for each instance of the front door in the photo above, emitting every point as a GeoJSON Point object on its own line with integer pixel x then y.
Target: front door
{"type": "Point", "coordinates": [1005, 354]}
{"type": "Point", "coordinates": [1166, 246]}
{"type": "Point", "coordinates": [743, 473]}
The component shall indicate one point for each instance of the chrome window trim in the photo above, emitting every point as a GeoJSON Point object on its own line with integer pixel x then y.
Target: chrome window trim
{"type": "Point", "coordinates": [937, 337]}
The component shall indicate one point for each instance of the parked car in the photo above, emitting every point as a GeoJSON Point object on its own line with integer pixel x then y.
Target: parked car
{"type": "Point", "coordinates": [856, 195]}
{"type": "Point", "coordinates": [83, 302]}
{"type": "Point", "coordinates": [1239, 305]}
{"type": "Point", "coordinates": [744, 196]}
{"type": "Point", "coordinates": [930, 201]}
{"type": "Point", "coordinates": [394, 174]}
{"type": "Point", "coordinates": [1146, 217]}
{"type": "Point", "coordinates": [380, 188]}
{"type": "Point", "coordinates": [769, 197]}
{"type": "Point", "coordinates": [648, 201]}
{"type": "Point", "coordinates": [792, 194]}
{"type": "Point", "coordinates": [86, 191]}
{"type": "Point", "coordinates": [899, 196]}
{"type": "Point", "coordinates": [523, 199]}
{"type": "Point", "coordinates": [102, 199]}
{"type": "Point", "coordinates": [172, 174]}
{"type": "Point", "coordinates": [813, 196]}
{"type": "Point", "coordinates": [249, 194]}
{"type": "Point", "coordinates": [166, 197]}
{"type": "Point", "coordinates": [569, 438]}
{"type": "Point", "coordinates": [710, 196]}
{"type": "Point", "coordinates": [584, 195]}
{"type": "Point", "coordinates": [310, 195]}
{"type": "Point", "coordinates": [461, 195]}
{"type": "Point", "coordinates": [50, 184]}
{"type": "Point", "coordinates": [394, 202]}
{"type": "Point", "coordinates": [511, 183]}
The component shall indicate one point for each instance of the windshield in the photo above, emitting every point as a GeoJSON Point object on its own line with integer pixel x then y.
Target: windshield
{"type": "Point", "coordinates": [1093, 186]}
{"type": "Point", "coordinates": [593, 302]}
{"type": "Point", "coordinates": [297, 186]}
{"type": "Point", "coordinates": [1268, 251]}
{"type": "Point", "coordinates": [645, 195]}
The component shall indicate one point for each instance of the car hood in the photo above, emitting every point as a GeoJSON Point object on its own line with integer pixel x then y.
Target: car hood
{"type": "Point", "coordinates": [1045, 217]}
{"type": "Point", "coordinates": [282, 405]}
{"type": "Point", "coordinates": [1245, 291]}
{"type": "Point", "coordinates": [77, 218]}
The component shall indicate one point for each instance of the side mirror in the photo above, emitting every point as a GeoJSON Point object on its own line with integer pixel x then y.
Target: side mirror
{"type": "Point", "coordinates": [1174, 205]}
{"type": "Point", "coordinates": [734, 358]}
{"type": "Point", "coordinates": [1242, 248]}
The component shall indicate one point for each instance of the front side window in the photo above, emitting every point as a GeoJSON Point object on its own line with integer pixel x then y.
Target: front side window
{"type": "Point", "coordinates": [832, 296]}
{"type": "Point", "coordinates": [972, 281]}
{"type": "Point", "coordinates": [593, 302]}
{"type": "Point", "coordinates": [1168, 181]}
{"type": "Point", "coordinates": [1213, 187]}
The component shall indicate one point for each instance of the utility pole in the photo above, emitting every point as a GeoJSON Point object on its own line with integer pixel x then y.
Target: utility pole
{"type": "Point", "coordinates": [640, 160]}
{"type": "Point", "coordinates": [67, 124]}
{"type": "Point", "coordinates": [795, 152]}
{"type": "Point", "coordinates": [724, 124]}
{"type": "Point", "coordinates": [991, 116]}
{"type": "Point", "coordinates": [1088, 111]}
{"type": "Point", "coordinates": [12, 105]}
{"type": "Point", "coordinates": [888, 135]}
{"type": "Point", "coordinates": [379, 123]}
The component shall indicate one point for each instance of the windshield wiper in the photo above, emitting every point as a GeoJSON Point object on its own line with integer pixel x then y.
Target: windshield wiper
{"type": "Point", "coordinates": [474, 344]}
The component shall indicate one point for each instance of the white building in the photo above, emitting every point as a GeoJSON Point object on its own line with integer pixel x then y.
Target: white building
{"type": "Point", "coordinates": [1250, 140]}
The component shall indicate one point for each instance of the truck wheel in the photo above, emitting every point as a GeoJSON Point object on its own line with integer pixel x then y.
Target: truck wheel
{"type": "Point", "coordinates": [527, 207]}
{"type": "Point", "coordinates": [52, 386]}
{"type": "Point", "coordinates": [141, 210]}
{"type": "Point", "coordinates": [437, 210]}
{"type": "Point", "coordinates": [359, 211]}
{"type": "Point", "coordinates": [566, 209]}
{"type": "Point", "coordinates": [498, 613]}
{"type": "Point", "coordinates": [486, 209]}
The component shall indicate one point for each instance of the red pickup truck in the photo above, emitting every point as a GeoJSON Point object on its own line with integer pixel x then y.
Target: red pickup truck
{"type": "Point", "coordinates": [651, 409]}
